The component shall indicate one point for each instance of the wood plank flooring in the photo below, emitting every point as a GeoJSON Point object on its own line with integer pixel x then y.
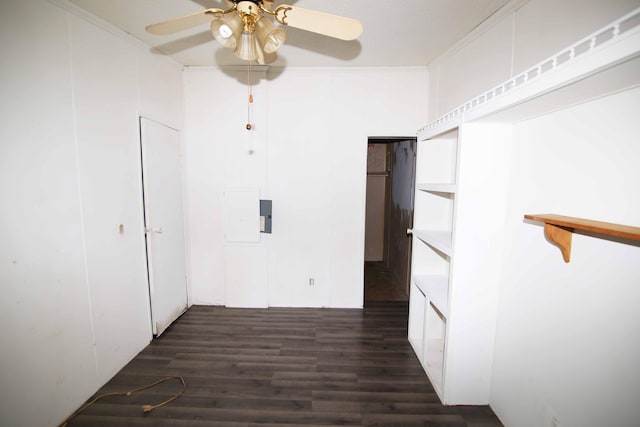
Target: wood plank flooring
{"type": "Point", "coordinates": [282, 367]}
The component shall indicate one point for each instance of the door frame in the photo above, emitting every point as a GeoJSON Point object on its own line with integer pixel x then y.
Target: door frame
{"type": "Point", "coordinates": [390, 140]}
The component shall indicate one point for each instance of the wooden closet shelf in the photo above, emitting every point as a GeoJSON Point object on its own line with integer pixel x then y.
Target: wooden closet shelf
{"type": "Point", "coordinates": [559, 230]}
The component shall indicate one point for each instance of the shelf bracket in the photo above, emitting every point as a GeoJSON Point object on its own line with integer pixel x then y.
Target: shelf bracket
{"type": "Point", "coordinates": [559, 230]}
{"type": "Point", "coordinates": [561, 237]}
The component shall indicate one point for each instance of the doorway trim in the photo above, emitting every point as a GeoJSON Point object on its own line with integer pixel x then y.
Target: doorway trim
{"type": "Point", "coordinates": [158, 326]}
{"type": "Point", "coordinates": [407, 218]}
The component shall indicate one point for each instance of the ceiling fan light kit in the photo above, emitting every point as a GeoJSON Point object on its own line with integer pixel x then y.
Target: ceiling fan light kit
{"type": "Point", "coordinates": [227, 29]}
{"type": "Point", "coordinates": [270, 36]}
{"type": "Point", "coordinates": [246, 47]}
{"type": "Point", "coordinates": [246, 29]}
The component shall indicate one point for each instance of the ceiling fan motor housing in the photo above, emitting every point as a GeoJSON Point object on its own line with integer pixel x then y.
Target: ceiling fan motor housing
{"type": "Point", "coordinates": [249, 7]}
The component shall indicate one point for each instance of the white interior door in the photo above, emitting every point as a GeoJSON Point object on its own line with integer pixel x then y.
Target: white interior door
{"type": "Point", "coordinates": [164, 222]}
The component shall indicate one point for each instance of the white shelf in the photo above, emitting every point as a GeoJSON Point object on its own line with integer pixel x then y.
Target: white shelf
{"type": "Point", "coordinates": [440, 240]}
{"type": "Point", "coordinates": [436, 289]}
{"type": "Point", "coordinates": [438, 188]}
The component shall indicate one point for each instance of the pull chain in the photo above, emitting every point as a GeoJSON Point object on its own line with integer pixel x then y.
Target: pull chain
{"type": "Point", "coordinates": [250, 98]}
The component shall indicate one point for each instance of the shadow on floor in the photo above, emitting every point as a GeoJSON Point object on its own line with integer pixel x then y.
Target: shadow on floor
{"type": "Point", "coordinates": [381, 285]}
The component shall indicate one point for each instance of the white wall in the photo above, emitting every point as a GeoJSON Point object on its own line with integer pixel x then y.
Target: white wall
{"type": "Point", "coordinates": [220, 154]}
{"type": "Point", "coordinates": [522, 34]}
{"type": "Point", "coordinates": [566, 341]}
{"type": "Point", "coordinates": [567, 335]}
{"type": "Point", "coordinates": [307, 153]}
{"type": "Point", "coordinates": [74, 295]}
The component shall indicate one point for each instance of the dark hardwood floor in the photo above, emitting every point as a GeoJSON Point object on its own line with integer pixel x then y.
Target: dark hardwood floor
{"type": "Point", "coordinates": [279, 366]}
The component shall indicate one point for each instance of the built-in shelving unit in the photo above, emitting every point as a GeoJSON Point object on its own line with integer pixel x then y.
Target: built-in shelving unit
{"type": "Point", "coordinates": [462, 171]}
{"type": "Point", "coordinates": [434, 212]}
{"type": "Point", "coordinates": [559, 229]}
{"type": "Point", "coordinates": [453, 274]}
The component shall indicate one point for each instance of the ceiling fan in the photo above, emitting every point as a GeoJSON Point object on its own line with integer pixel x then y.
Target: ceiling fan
{"type": "Point", "coordinates": [245, 28]}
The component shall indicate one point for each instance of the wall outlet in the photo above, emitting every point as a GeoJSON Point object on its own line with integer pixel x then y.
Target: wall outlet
{"type": "Point", "coordinates": [312, 281]}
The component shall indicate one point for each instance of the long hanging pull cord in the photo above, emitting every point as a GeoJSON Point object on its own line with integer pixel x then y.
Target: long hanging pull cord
{"type": "Point", "coordinates": [250, 97]}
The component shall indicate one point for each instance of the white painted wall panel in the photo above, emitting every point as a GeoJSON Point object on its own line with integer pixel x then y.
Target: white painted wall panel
{"type": "Point", "coordinates": [566, 335]}
{"type": "Point", "coordinates": [246, 287]}
{"type": "Point", "coordinates": [478, 66]}
{"type": "Point", "coordinates": [242, 215]}
{"type": "Point", "coordinates": [302, 156]}
{"type": "Point", "coordinates": [69, 89]}
{"type": "Point", "coordinates": [219, 154]}
{"type": "Point", "coordinates": [106, 103]}
{"type": "Point", "coordinates": [160, 82]}
{"type": "Point", "coordinates": [204, 153]}
{"type": "Point", "coordinates": [516, 38]}
{"type": "Point", "coordinates": [544, 27]}
{"type": "Point", "coordinates": [47, 361]}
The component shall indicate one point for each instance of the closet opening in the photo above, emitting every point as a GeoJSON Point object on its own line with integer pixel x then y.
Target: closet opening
{"type": "Point", "coordinates": [391, 163]}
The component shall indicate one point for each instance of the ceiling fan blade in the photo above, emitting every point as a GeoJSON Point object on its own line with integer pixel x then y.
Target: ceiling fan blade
{"type": "Point", "coordinates": [183, 22]}
{"type": "Point", "coordinates": [335, 26]}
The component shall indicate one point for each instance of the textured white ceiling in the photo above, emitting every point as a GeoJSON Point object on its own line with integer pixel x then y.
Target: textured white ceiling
{"type": "Point", "coordinates": [400, 33]}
